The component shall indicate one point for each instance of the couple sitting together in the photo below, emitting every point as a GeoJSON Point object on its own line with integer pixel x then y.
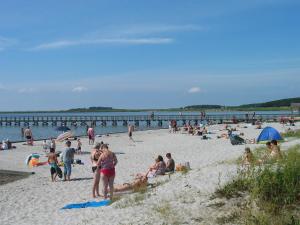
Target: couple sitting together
{"type": "Point", "coordinates": [141, 180]}
{"type": "Point", "coordinates": [160, 167]}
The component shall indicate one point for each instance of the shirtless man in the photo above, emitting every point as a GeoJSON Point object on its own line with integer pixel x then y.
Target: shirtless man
{"type": "Point", "coordinates": [28, 135]}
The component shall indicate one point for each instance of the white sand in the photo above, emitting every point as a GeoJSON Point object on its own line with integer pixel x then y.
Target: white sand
{"type": "Point", "coordinates": [180, 199]}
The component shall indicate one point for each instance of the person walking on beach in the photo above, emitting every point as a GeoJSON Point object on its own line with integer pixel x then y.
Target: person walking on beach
{"type": "Point", "coordinates": [130, 131]}
{"type": "Point", "coordinates": [95, 154]}
{"type": "Point", "coordinates": [67, 158]}
{"type": "Point", "coordinates": [91, 135]}
{"type": "Point", "coordinates": [28, 135]}
{"type": "Point", "coordinates": [106, 164]}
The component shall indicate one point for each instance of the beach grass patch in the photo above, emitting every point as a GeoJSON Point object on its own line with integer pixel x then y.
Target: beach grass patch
{"type": "Point", "coordinates": [291, 133]}
{"type": "Point", "coordinates": [273, 190]}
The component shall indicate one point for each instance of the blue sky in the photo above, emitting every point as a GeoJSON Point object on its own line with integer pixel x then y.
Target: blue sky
{"type": "Point", "coordinates": [147, 54]}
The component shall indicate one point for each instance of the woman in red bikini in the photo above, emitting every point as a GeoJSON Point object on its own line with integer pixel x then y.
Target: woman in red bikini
{"type": "Point", "coordinates": [107, 162]}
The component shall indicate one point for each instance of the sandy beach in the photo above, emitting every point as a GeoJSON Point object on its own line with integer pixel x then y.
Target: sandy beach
{"type": "Point", "coordinates": [176, 199]}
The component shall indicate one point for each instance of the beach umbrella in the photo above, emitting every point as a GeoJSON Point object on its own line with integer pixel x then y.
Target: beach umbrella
{"type": "Point", "coordinates": [64, 136]}
{"type": "Point", "coordinates": [62, 128]}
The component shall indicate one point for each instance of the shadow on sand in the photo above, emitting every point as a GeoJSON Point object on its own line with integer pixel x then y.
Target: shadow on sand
{"type": "Point", "coordinates": [7, 176]}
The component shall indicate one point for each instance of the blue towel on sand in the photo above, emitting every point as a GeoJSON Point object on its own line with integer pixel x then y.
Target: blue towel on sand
{"type": "Point", "coordinates": [87, 204]}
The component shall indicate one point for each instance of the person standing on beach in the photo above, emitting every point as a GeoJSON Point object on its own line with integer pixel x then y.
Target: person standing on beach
{"type": "Point", "coordinates": [79, 144]}
{"type": "Point", "coordinates": [130, 131]}
{"type": "Point", "coordinates": [28, 135]}
{"type": "Point", "coordinates": [67, 158]}
{"type": "Point", "coordinates": [106, 164]}
{"type": "Point", "coordinates": [52, 143]}
{"type": "Point", "coordinates": [91, 135]}
{"type": "Point", "coordinates": [52, 161]}
{"type": "Point", "coordinates": [22, 132]}
{"type": "Point", "coordinates": [95, 154]}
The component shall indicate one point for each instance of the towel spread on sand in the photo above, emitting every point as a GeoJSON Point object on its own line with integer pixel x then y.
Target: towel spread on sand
{"type": "Point", "coordinates": [87, 204]}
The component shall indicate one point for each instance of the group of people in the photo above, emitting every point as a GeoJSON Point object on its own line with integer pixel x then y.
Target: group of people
{"type": "Point", "coordinates": [273, 153]}
{"type": "Point", "coordinates": [195, 130]}
{"type": "Point", "coordinates": [67, 158]}
{"type": "Point", "coordinates": [103, 166]}
{"type": "Point", "coordinates": [6, 145]}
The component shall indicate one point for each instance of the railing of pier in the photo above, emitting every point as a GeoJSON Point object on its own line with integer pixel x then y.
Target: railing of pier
{"type": "Point", "coordinates": [227, 116]}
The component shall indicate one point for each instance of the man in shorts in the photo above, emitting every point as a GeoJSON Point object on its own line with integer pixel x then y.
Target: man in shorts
{"type": "Point", "coordinates": [91, 134]}
{"type": "Point", "coordinates": [28, 135]}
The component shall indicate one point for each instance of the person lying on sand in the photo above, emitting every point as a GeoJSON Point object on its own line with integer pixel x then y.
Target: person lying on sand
{"type": "Point", "coordinates": [138, 183]}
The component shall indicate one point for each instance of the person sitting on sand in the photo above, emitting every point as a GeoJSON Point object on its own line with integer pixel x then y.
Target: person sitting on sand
{"type": "Point", "coordinates": [170, 165]}
{"type": "Point", "coordinates": [248, 158]}
{"type": "Point", "coordinates": [139, 182]}
{"type": "Point", "coordinates": [275, 150]}
{"type": "Point", "coordinates": [53, 162]}
{"type": "Point", "coordinates": [159, 168]}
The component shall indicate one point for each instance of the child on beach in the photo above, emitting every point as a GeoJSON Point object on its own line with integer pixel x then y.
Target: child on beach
{"type": "Point", "coordinates": [52, 160]}
{"type": "Point", "coordinates": [248, 158]}
{"type": "Point", "coordinates": [79, 144]}
{"type": "Point", "coordinates": [45, 145]}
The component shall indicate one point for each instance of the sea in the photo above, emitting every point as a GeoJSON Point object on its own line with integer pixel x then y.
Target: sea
{"type": "Point", "coordinates": [13, 133]}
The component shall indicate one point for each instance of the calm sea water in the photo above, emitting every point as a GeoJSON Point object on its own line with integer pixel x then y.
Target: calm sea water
{"type": "Point", "coordinates": [13, 133]}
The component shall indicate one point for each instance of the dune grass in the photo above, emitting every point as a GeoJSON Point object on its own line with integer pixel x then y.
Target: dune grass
{"type": "Point", "coordinates": [274, 189]}
{"type": "Point", "coordinates": [291, 133]}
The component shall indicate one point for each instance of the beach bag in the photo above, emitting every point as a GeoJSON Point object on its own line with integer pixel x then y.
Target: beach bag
{"type": "Point", "coordinates": [181, 167]}
{"type": "Point", "coordinates": [59, 172]}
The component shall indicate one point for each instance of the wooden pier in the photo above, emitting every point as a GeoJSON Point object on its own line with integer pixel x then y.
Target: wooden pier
{"type": "Point", "coordinates": [137, 119]}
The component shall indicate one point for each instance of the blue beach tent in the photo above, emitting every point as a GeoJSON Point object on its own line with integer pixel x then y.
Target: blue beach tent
{"type": "Point", "coordinates": [268, 134]}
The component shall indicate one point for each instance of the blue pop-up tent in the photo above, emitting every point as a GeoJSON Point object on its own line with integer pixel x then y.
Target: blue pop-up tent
{"type": "Point", "coordinates": [269, 134]}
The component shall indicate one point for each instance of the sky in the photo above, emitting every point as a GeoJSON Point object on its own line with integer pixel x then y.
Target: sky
{"type": "Point", "coordinates": [61, 54]}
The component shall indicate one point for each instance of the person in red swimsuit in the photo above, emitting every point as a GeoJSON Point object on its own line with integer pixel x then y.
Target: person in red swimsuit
{"type": "Point", "coordinates": [107, 162]}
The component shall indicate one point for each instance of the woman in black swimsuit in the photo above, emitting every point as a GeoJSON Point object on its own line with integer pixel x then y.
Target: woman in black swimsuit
{"type": "Point", "coordinates": [95, 154]}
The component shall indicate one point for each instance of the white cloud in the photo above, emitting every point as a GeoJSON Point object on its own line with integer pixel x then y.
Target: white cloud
{"type": "Point", "coordinates": [79, 89]}
{"type": "Point", "coordinates": [6, 42]}
{"type": "Point", "coordinates": [128, 35]}
{"type": "Point", "coordinates": [27, 90]}
{"type": "Point", "coordinates": [153, 29]}
{"type": "Point", "coordinates": [194, 90]}
{"type": "Point", "coordinates": [102, 41]}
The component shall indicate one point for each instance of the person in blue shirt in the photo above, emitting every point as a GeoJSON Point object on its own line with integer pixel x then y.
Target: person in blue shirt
{"type": "Point", "coordinates": [67, 158]}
